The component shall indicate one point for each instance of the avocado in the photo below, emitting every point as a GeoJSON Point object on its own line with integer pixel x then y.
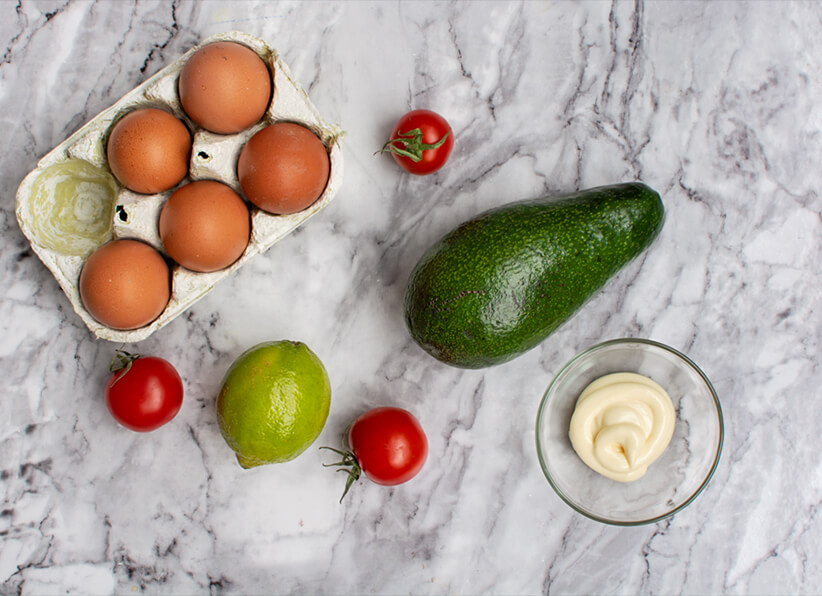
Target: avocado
{"type": "Point", "coordinates": [499, 284]}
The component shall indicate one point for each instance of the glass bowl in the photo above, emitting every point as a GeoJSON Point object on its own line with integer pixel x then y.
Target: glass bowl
{"type": "Point", "coordinates": [674, 480]}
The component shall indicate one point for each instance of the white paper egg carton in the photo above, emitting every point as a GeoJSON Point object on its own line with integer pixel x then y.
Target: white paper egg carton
{"type": "Point", "coordinates": [213, 157]}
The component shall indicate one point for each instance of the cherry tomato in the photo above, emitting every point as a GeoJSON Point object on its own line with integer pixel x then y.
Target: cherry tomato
{"type": "Point", "coordinates": [421, 142]}
{"type": "Point", "coordinates": [144, 392]}
{"type": "Point", "coordinates": [387, 444]}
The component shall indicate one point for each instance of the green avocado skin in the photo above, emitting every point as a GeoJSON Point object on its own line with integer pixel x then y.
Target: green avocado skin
{"type": "Point", "coordinates": [499, 284]}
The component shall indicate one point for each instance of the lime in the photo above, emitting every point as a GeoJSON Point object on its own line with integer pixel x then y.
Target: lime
{"type": "Point", "coordinates": [273, 403]}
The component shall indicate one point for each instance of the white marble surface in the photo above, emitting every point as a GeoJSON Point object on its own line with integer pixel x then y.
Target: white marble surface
{"type": "Point", "coordinates": [716, 105]}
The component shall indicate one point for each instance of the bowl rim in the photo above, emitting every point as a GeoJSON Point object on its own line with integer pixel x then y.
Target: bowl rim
{"type": "Point", "coordinates": [688, 362]}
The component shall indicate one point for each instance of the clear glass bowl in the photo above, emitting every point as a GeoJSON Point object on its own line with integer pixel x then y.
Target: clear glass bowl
{"type": "Point", "coordinates": [674, 480]}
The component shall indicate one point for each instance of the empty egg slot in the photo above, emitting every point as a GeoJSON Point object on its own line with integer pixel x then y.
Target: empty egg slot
{"type": "Point", "coordinates": [70, 207]}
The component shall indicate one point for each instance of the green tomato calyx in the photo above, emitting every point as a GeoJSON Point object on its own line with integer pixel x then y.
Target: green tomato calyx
{"type": "Point", "coordinates": [122, 361]}
{"type": "Point", "coordinates": [409, 144]}
{"type": "Point", "coordinates": [348, 464]}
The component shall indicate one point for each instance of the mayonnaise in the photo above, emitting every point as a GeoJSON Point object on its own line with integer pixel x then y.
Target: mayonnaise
{"type": "Point", "coordinates": [621, 424]}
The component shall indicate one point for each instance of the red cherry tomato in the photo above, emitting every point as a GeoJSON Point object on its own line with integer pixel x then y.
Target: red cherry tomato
{"type": "Point", "coordinates": [387, 444]}
{"type": "Point", "coordinates": [144, 392]}
{"type": "Point", "coordinates": [421, 142]}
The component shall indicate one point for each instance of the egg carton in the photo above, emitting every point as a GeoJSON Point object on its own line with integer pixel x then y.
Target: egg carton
{"type": "Point", "coordinates": [213, 157]}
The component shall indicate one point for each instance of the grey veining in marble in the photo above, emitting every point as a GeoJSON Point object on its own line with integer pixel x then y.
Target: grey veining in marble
{"type": "Point", "coordinates": [714, 104]}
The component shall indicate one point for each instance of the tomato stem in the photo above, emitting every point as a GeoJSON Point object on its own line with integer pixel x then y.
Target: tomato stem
{"type": "Point", "coordinates": [412, 145]}
{"type": "Point", "coordinates": [348, 464]}
{"type": "Point", "coordinates": [122, 361]}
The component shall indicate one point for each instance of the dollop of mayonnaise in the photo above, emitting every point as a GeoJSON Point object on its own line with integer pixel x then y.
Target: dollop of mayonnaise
{"type": "Point", "coordinates": [621, 424]}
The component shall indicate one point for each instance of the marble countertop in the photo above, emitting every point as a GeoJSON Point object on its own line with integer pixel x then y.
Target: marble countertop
{"type": "Point", "coordinates": [715, 105]}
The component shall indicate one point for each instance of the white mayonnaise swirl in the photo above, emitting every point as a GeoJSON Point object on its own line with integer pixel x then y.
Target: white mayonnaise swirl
{"type": "Point", "coordinates": [621, 424]}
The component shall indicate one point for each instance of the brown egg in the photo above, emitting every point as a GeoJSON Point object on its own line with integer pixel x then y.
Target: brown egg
{"type": "Point", "coordinates": [283, 168]}
{"type": "Point", "coordinates": [148, 150]}
{"type": "Point", "coordinates": [204, 226]}
{"type": "Point", "coordinates": [225, 87]}
{"type": "Point", "coordinates": [125, 284]}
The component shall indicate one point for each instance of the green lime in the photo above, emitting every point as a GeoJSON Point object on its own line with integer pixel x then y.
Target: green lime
{"type": "Point", "coordinates": [273, 403]}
